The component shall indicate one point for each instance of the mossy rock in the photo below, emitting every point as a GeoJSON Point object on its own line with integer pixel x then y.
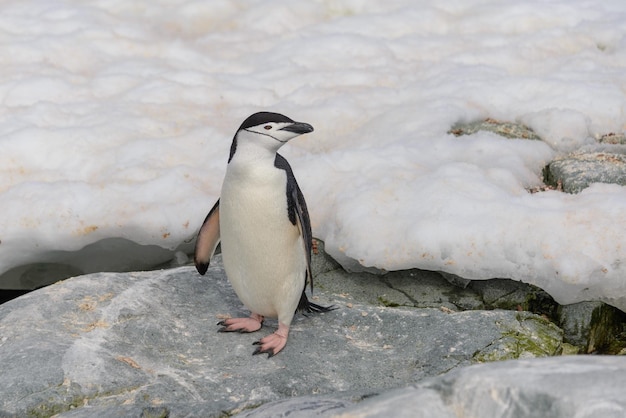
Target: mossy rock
{"type": "Point", "coordinates": [593, 327]}
{"type": "Point", "coordinates": [532, 336]}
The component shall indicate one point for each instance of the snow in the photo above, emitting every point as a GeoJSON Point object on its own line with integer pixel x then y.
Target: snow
{"type": "Point", "coordinates": [116, 119]}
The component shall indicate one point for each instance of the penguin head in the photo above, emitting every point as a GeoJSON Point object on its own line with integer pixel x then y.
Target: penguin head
{"type": "Point", "coordinates": [268, 130]}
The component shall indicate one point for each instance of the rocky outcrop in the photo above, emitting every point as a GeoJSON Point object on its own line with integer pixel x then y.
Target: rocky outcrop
{"type": "Point", "coordinates": [589, 327]}
{"type": "Point", "coordinates": [147, 343]}
{"type": "Point", "coordinates": [601, 161]}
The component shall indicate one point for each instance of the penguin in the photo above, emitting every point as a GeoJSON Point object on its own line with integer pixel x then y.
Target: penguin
{"type": "Point", "coordinates": [262, 223]}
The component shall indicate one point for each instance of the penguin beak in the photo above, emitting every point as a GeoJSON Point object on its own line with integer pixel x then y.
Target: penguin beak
{"type": "Point", "coordinates": [298, 128]}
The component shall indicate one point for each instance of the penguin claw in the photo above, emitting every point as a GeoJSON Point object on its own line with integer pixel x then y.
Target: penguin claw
{"type": "Point", "coordinates": [259, 350]}
{"type": "Point", "coordinates": [273, 343]}
{"type": "Point", "coordinates": [241, 325]}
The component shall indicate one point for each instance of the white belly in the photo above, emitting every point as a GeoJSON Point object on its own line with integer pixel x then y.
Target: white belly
{"type": "Point", "coordinates": [262, 251]}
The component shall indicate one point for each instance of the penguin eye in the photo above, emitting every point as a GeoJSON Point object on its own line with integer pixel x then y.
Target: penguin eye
{"type": "Point", "coordinates": [267, 127]}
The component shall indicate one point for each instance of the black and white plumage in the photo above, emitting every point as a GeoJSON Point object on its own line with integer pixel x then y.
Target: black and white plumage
{"type": "Point", "coordinates": [263, 224]}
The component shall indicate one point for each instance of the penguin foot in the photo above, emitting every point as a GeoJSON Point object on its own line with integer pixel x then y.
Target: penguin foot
{"type": "Point", "coordinates": [273, 343]}
{"type": "Point", "coordinates": [250, 324]}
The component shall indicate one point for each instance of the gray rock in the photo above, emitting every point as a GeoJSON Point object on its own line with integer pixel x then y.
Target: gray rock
{"type": "Point", "coordinates": [560, 387]}
{"type": "Point", "coordinates": [411, 288]}
{"type": "Point", "coordinates": [556, 387]}
{"type": "Point", "coordinates": [514, 295]}
{"type": "Point", "coordinates": [455, 280]}
{"type": "Point", "coordinates": [595, 164]}
{"type": "Point", "coordinates": [590, 325]}
{"type": "Point", "coordinates": [110, 254]}
{"type": "Point", "coordinates": [304, 407]}
{"type": "Point", "coordinates": [427, 289]}
{"type": "Point", "coordinates": [146, 344]}
{"type": "Point", "coordinates": [502, 128]}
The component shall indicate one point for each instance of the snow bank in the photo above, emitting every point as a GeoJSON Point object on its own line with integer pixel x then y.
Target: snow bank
{"type": "Point", "coordinates": [116, 120]}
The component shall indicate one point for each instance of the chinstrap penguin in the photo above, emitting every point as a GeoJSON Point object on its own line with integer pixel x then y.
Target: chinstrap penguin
{"type": "Point", "coordinates": [263, 224]}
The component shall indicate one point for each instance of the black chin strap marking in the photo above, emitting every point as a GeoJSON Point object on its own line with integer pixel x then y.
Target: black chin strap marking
{"type": "Point", "coordinates": [261, 133]}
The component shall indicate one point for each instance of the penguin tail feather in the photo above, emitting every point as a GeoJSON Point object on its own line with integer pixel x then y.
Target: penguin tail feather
{"type": "Point", "coordinates": [306, 306]}
{"type": "Point", "coordinates": [315, 308]}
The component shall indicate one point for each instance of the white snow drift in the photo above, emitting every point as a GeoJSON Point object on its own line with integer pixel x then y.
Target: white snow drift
{"type": "Point", "coordinates": [116, 119]}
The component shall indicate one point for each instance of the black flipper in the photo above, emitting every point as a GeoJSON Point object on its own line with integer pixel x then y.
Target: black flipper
{"type": "Point", "coordinates": [297, 212]}
{"type": "Point", "coordinates": [299, 216]}
{"type": "Point", "coordinates": [208, 238]}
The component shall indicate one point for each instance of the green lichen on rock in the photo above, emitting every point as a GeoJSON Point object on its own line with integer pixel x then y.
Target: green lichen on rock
{"type": "Point", "coordinates": [606, 323]}
{"type": "Point", "coordinates": [532, 336]}
{"type": "Point", "coordinates": [502, 128]}
{"type": "Point", "coordinates": [46, 410]}
{"type": "Point", "coordinates": [155, 412]}
{"type": "Point", "coordinates": [580, 169]}
{"type": "Point", "coordinates": [65, 399]}
{"type": "Point", "coordinates": [385, 302]}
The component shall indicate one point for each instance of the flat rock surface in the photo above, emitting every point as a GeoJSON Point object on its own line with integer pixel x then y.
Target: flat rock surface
{"type": "Point", "coordinates": [146, 343]}
{"type": "Point", "coordinates": [557, 387]}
